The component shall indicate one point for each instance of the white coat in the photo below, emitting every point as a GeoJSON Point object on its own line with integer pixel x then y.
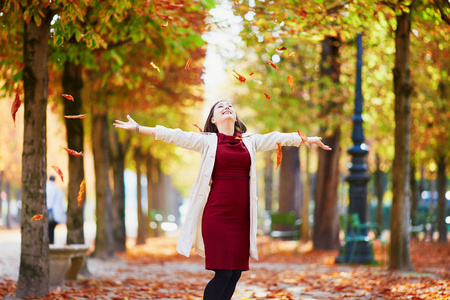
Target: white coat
{"type": "Point", "coordinates": [206, 143]}
{"type": "Point", "coordinates": [55, 202]}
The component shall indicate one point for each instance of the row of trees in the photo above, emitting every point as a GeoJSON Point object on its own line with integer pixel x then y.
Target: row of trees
{"type": "Point", "coordinates": [319, 38]}
{"type": "Point", "coordinates": [100, 53]}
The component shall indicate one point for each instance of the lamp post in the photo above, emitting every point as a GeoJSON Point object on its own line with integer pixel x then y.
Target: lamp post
{"type": "Point", "coordinates": [357, 247]}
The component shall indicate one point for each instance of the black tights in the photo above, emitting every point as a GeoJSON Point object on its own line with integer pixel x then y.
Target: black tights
{"type": "Point", "coordinates": [222, 286]}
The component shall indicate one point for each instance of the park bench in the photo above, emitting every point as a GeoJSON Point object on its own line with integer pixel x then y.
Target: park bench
{"type": "Point", "coordinates": [290, 221]}
{"type": "Point", "coordinates": [65, 262]}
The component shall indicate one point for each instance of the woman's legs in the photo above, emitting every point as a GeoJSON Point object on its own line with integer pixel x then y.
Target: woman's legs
{"type": "Point", "coordinates": [231, 286]}
{"type": "Point", "coordinates": [222, 286]}
{"type": "Point", "coordinates": [216, 286]}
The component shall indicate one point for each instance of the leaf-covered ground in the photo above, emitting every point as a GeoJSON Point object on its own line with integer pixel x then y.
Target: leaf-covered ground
{"type": "Point", "coordinates": [286, 270]}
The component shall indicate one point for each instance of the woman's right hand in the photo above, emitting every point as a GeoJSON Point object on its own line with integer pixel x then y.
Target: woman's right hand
{"type": "Point", "coordinates": [130, 125]}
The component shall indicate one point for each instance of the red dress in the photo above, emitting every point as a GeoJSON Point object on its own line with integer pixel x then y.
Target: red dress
{"type": "Point", "coordinates": [226, 217]}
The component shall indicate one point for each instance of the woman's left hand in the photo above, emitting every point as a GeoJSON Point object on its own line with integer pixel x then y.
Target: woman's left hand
{"type": "Point", "coordinates": [318, 141]}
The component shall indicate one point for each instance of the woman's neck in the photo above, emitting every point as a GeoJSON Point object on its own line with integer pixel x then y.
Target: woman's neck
{"type": "Point", "coordinates": [226, 128]}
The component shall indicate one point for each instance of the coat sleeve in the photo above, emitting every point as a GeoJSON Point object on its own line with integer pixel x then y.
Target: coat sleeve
{"type": "Point", "coordinates": [266, 142]}
{"type": "Point", "coordinates": [188, 140]}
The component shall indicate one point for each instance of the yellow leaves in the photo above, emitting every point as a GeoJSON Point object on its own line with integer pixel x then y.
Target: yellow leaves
{"type": "Point", "coordinates": [154, 66]}
{"type": "Point", "coordinates": [81, 192]}
{"type": "Point", "coordinates": [290, 80]}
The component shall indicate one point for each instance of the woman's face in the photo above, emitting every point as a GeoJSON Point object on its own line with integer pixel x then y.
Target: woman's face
{"type": "Point", "coordinates": [223, 111]}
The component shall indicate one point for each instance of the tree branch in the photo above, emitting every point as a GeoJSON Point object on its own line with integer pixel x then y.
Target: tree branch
{"type": "Point", "coordinates": [443, 15]}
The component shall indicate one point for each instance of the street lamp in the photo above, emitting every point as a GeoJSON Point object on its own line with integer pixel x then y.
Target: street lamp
{"type": "Point", "coordinates": [357, 247]}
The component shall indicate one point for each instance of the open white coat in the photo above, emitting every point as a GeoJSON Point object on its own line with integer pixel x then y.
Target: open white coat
{"type": "Point", "coordinates": [206, 143]}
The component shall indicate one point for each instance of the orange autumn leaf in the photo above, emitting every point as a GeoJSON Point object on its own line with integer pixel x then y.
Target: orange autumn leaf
{"type": "Point", "coordinates": [290, 80]}
{"type": "Point", "coordinates": [291, 54]}
{"type": "Point", "coordinates": [279, 154]}
{"type": "Point", "coordinates": [82, 116]}
{"type": "Point", "coordinates": [73, 152]}
{"type": "Point", "coordinates": [188, 63]}
{"type": "Point", "coordinates": [281, 48]}
{"type": "Point", "coordinates": [239, 77]}
{"type": "Point", "coordinates": [15, 107]}
{"type": "Point", "coordinates": [37, 217]}
{"type": "Point", "coordinates": [165, 25]}
{"type": "Point", "coordinates": [267, 96]}
{"type": "Point", "coordinates": [272, 64]}
{"type": "Point", "coordinates": [304, 138]}
{"type": "Point", "coordinates": [195, 124]}
{"type": "Point", "coordinates": [81, 192]}
{"type": "Point", "coordinates": [68, 97]}
{"type": "Point", "coordinates": [60, 173]}
{"type": "Point", "coordinates": [238, 138]}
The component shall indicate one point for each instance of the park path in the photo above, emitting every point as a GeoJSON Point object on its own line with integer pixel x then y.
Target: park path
{"type": "Point", "coordinates": [138, 277]}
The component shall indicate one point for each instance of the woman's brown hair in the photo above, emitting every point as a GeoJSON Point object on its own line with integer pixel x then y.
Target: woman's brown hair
{"type": "Point", "coordinates": [239, 126]}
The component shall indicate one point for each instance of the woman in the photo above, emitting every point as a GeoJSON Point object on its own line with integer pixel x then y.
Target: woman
{"type": "Point", "coordinates": [221, 219]}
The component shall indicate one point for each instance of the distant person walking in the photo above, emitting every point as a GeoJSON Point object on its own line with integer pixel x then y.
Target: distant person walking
{"type": "Point", "coordinates": [55, 206]}
{"type": "Point", "coordinates": [221, 218]}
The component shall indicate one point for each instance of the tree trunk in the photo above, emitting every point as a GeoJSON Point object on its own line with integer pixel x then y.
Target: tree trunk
{"type": "Point", "coordinates": [413, 190]}
{"type": "Point", "coordinates": [326, 222]}
{"type": "Point", "coordinates": [118, 152]}
{"type": "Point", "coordinates": [306, 200]}
{"type": "Point", "coordinates": [103, 212]}
{"type": "Point", "coordinates": [442, 202]}
{"type": "Point", "coordinates": [268, 180]}
{"type": "Point", "coordinates": [34, 256]}
{"type": "Point", "coordinates": [150, 188]}
{"type": "Point", "coordinates": [379, 191]}
{"type": "Point", "coordinates": [72, 82]}
{"type": "Point", "coordinates": [142, 220]}
{"type": "Point", "coordinates": [400, 221]}
{"type": "Point", "coordinates": [290, 185]}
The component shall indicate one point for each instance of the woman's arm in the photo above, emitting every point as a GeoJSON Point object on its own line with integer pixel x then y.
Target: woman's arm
{"type": "Point", "coordinates": [266, 142]}
{"type": "Point", "coordinates": [187, 140]}
{"type": "Point", "coordinates": [133, 125]}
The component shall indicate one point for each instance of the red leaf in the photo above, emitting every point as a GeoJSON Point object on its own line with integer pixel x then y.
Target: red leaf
{"type": "Point", "coordinates": [304, 138]}
{"type": "Point", "coordinates": [76, 116]}
{"type": "Point", "coordinates": [279, 154]}
{"type": "Point", "coordinates": [240, 78]}
{"type": "Point", "coordinates": [37, 217]}
{"type": "Point", "coordinates": [68, 97]}
{"type": "Point", "coordinates": [73, 152]}
{"type": "Point", "coordinates": [15, 107]}
{"type": "Point", "coordinates": [60, 173]}
{"type": "Point", "coordinates": [272, 64]}
{"type": "Point", "coordinates": [290, 80]}
{"type": "Point", "coordinates": [81, 192]}
{"type": "Point", "coordinates": [188, 63]}
{"type": "Point", "coordinates": [281, 48]}
{"type": "Point", "coordinates": [267, 96]}
{"type": "Point", "coordinates": [251, 74]}
{"type": "Point", "coordinates": [165, 25]}
{"type": "Point", "coordinates": [195, 124]}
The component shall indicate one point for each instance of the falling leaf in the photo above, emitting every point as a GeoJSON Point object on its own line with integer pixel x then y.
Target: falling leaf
{"type": "Point", "coordinates": [37, 217]}
{"type": "Point", "coordinates": [68, 97]}
{"type": "Point", "coordinates": [15, 107]}
{"type": "Point", "coordinates": [188, 63]}
{"type": "Point", "coordinates": [60, 173]}
{"type": "Point", "coordinates": [154, 66]}
{"type": "Point", "coordinates": [279, 154]}
{"type": "Point", "coordinates": [272, 64]}
{"type": "Point", "coordinates": [304, 138]}
{"type": "Point", "coordinates": [73, 152]}
{"type": "Point", "coordinates": [292, 54]}
{"type": "Point", "coordinates": [281, 48]}
{"type": "Point", "coordinates": [165, 25]}
{"type": "Point", "coordinates": [267, 96]}
{"type": "Point", "coordinates": [81, 192]}
{"type": "Point", "coordinates": [76, 116]}
{"type": "Point", "coordinates": [195, 124]}
{"type": "Point", "coordinates": [239, 77]}
{"type": "Point", "coordinates": [290, 80]}
{"type": "Point", "coordinates": [251, 73]}
{"type": "Point", "coordinates": [238, 138]}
